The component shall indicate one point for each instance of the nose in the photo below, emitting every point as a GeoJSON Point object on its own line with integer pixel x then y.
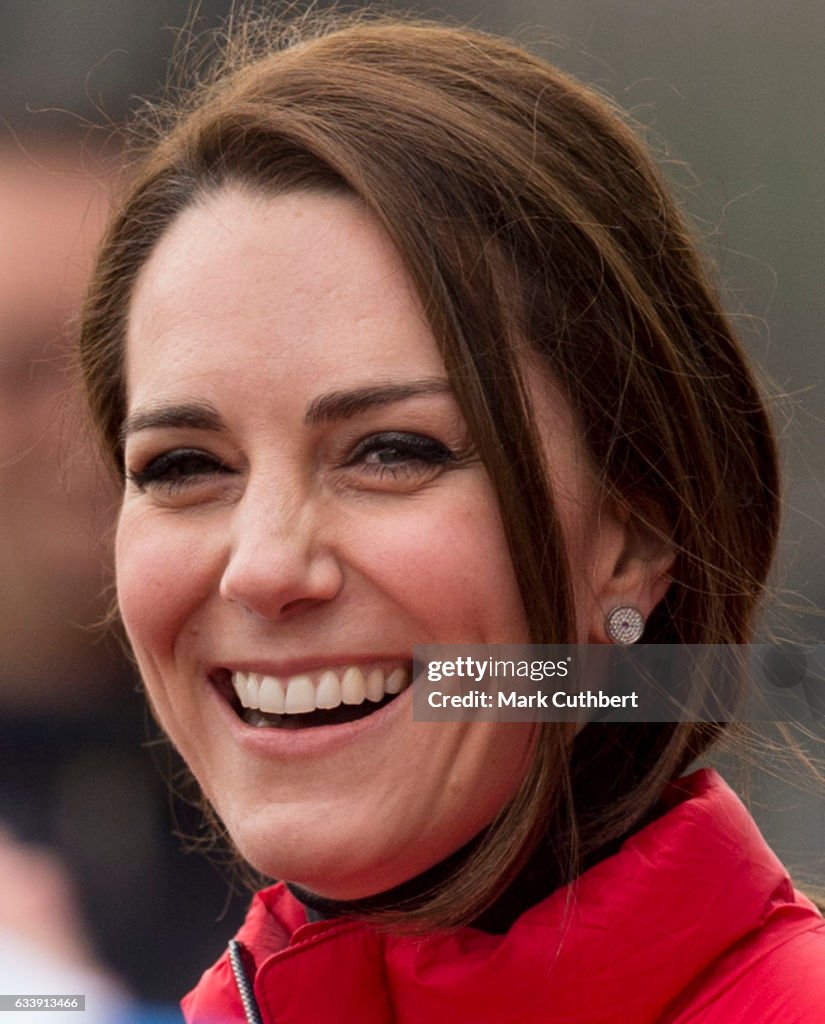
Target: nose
{"type": "Point", "coordinates": [278, 561]}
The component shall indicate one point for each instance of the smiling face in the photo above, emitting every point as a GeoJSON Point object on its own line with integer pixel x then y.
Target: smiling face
{"type": "Point", "coordinates": [304, 505]}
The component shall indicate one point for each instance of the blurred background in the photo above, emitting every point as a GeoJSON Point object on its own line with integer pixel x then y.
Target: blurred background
{"type": "Point", "coordinates": [733, 92]}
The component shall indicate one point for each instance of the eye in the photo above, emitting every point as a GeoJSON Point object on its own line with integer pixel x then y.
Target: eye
{"type": "Point", "coordinates": [174, 470]}
{"type": "Point", "coordinates": [397, 454]}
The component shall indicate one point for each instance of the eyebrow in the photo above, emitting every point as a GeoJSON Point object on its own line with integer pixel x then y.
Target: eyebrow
{"type": "Point", "coordinates": [197, 415]}
{"type": "Point", "coordinates": [339, 405]}
{"type": "Point", "coordinates": [335, 405]}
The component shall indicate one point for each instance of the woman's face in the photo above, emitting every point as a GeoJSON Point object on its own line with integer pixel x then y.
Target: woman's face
{"type": "Point", "coordinates": [305, 505]}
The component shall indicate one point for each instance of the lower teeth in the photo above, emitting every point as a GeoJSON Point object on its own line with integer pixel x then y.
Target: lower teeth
{"type": "Point", "coordinates": [334, 716]}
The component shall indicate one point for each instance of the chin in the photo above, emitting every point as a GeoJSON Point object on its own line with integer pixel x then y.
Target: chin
{"type": "Point", "coordinates": [334, 865]}
{"type": "Point", "coordinates": [324, 876]}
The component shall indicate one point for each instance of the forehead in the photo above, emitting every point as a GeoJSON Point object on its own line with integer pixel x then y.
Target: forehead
{"type": "Point", "coordinates": [303, 277]}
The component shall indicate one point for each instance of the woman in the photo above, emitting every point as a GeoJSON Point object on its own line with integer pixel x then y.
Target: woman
{"type": "Point", "coordinates": [398, 338]}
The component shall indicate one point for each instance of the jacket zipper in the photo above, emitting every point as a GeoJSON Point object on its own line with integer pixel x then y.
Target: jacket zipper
{"type": "Point", "coordinates": [250, 1005]}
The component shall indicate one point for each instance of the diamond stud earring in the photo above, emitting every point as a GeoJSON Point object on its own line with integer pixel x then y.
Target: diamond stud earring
{"type": "Point", "coordinates": [624, 624]}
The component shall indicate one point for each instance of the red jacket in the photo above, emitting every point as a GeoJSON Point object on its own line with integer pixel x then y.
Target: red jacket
{"type": "Point", "coordinates": [693, 920]}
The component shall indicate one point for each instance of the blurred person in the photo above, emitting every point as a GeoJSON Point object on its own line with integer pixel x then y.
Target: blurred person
{"type": "Point", "coordinates": [397, 337]}
{"type": "Point", "coordinates": [73, 776]}
{"type": "Point", "coordinates": [45, 948]}
{"type": "Point", "coordinates": [55, 509]}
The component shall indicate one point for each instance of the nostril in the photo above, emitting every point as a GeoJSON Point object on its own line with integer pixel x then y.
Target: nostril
{"type": "Point", "coordinates": [300, 604]}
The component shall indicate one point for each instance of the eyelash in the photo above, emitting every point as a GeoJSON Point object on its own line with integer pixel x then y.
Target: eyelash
{"type": "Point", "coordinates": [179, 468]}
{"type": "Point", "coordinates": [169, 470]}
{"type": "Point", "coordinates": [418, 449]}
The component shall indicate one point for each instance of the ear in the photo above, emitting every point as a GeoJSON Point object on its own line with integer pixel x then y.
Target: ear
{"type": "Point", "coordinates": [633, 563]}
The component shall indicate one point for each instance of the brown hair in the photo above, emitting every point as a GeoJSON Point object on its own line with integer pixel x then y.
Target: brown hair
{"type": "Point", "coordinates": [527, 212]}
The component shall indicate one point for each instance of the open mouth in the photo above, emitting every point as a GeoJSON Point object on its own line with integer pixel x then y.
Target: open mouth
{"type": "Point", "coordinates": [329, 696]}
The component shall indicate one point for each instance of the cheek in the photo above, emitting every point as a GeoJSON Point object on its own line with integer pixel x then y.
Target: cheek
{"type": "Point", "coordinates": [447, 567]}
{"type": "Point", "coordinates": [162, 576]}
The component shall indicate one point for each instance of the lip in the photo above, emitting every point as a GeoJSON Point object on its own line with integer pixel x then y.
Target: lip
{"type": "Point", "coordinates": [320, 740]}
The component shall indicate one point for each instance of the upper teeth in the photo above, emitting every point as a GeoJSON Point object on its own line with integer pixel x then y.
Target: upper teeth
{"type": "Point", "coordinates": [299, 694]}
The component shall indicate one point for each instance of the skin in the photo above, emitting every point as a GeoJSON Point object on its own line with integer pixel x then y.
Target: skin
{"type": "Point", "coordinates": [284, 542]}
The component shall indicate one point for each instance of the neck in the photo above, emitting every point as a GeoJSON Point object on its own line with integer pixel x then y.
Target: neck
{"type": "Point", "coordinates": [541, 875]}
{"type": "Point", "coordinates": [536, 880]}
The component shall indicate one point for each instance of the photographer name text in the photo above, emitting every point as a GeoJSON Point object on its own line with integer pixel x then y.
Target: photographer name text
{"type": "Point", "coordinates": [539, 699]}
